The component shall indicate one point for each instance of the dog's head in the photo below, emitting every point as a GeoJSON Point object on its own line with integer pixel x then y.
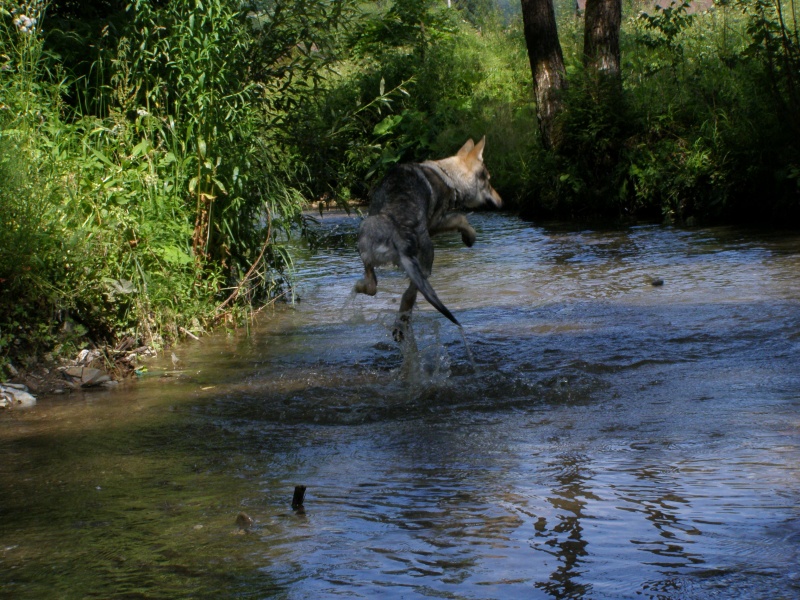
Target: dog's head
{"type": "Point", "coordinates": [470, 175]}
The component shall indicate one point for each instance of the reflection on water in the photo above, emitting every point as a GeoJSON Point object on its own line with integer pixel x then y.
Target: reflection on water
{"type": "Point", "coordinates": [614, 439]}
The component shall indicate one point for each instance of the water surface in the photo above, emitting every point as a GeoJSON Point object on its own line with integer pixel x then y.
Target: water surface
{"type": "Point", "coordinates": [614, 439]}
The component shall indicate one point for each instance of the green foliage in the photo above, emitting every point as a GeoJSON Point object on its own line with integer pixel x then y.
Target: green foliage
{"type": "Point", "coordinates": [355, 126]}
{"type": "Point", "coordinates": [711, 135]}
{"type": "Point", "coordinates": [182, 71]}
{"type": "Point", "coordinates": [35, 248]}
{"type": "Point", "coordinates": [417, 92]}
{"type": "Point", "coordinates": [703, 127]}
{"type": "Point", "coordinates": [663, 28]}
{"type": "Point", "coordinates": [594, 128]}
{"type": "Point", "coordinates": [140, 207]}
{"type": "Point", "coordinates": [703, 120]}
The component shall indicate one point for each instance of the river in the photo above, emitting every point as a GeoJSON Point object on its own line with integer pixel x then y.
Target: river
{"type": "Point", "coordinates": [608, 439]}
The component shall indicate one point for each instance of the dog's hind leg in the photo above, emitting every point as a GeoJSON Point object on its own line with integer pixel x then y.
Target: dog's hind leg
{"type": "Point", "coordinates": [403, 320]}
{"type": "Point", "coordinates": [409, 299]}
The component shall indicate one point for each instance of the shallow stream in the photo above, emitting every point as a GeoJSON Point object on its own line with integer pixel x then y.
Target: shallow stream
{"type": "Point", "coordinates": [614, 439]}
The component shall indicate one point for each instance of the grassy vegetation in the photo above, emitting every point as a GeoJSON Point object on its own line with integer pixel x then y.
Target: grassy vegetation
{"type": "Point", "coordinates": [143, 192]}
{"type": "Point", "coordinates": [153, 155]}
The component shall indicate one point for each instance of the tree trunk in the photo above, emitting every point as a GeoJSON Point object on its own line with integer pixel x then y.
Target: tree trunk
{"type": "Point", "coordinates": [547, 65]}
{"type": "Point", "coordinates": [601, 36]}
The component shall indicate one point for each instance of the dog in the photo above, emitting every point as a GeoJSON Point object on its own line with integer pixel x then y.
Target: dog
{"type": "Point", "coordinates": [413, 202]}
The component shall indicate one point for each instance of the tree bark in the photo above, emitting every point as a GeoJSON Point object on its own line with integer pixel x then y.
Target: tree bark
{"type": "Point", "coordinates": [547, 66]}
{"type": "Point", "coordinates": [601, 36]}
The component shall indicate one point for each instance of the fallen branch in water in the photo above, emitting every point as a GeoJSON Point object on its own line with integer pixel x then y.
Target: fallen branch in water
{"type": "Point", "coordinates": [188, 333]}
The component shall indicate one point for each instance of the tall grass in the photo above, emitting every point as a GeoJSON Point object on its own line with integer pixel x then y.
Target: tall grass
{"type": "Point", "coordinates": [144, 218]}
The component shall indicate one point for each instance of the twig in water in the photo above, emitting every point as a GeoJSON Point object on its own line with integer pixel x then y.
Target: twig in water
{"type": "Point", "coordinates": [237, 290]}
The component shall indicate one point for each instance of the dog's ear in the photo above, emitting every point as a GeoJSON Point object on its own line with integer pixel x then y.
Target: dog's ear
{"type": "Point", "coordinates": [466, 148]}
{"type": "Point", "coordinates": [477, 152]}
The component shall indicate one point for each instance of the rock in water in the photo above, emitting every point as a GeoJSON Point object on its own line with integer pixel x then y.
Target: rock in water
{"type": "Point", "coordinates": [87, 376]}
{"type": "Point", "coordinates": [244, 521]}
{"type": "Point", "coordinates": [14, 395]}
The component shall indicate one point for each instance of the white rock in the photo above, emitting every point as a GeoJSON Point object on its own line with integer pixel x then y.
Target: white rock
{"type": "Point", "coordinates": [13, 395]}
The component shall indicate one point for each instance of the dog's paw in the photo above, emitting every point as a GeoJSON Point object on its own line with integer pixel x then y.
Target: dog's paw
{"type": "Point", "coordinates": [363, 287]}
{"type": "Point", "coordinates": [468, 237]}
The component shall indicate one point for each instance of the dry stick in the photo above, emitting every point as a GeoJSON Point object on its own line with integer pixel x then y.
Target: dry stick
{"type": "Point", "coordinates": [270, 303]}
{"type": "Point", "coordinates": [246, 278]}
{"type": "Point", "coordinates": [188, 333]}
{"type": "Point", "coordinates": [299, 496]}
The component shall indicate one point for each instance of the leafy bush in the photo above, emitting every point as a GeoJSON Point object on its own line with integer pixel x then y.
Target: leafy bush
{"type": "Point", "coordinates": [415, 94]}
{"type": "Point", "coordinates": [703, 128]}
{"type": "Point", "coordinates": [155, 203]}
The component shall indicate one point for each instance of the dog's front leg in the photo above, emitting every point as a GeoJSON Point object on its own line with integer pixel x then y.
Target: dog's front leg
{"type": "Point", "coordinates": [457, 222]}
{"type": "Point", "coordinates": [369, 283]}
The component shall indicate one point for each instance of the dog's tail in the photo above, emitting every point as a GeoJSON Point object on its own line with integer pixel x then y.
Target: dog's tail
{"type": "Point", "coordinates": [411, 266]}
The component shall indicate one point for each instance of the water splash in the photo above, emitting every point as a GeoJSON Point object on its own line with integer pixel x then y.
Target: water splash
{"type": "Point", "coordinates": [353, 309]}
{"type": "Point", "coordinates": [426, 362]}
{"type": "Point", "coordinates": [467, 348]}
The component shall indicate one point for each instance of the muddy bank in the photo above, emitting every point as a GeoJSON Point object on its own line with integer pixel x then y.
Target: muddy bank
{"type": "Point", "coordinates": [100, 368]}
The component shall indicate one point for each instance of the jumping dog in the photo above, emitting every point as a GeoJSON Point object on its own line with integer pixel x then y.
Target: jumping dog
{"type": "Point", "coordinates": [413, 202]}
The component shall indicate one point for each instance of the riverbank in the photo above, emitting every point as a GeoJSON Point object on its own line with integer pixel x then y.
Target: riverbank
{"type": "Point", "coordinates": [100, 368]}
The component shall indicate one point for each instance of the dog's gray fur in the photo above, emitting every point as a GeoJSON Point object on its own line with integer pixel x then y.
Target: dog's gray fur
{"type": "Point", "coordinates": [413, 202]}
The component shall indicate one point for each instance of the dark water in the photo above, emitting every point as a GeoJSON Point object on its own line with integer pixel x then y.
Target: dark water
{"type": "Point", "coordinates": [615, 440]}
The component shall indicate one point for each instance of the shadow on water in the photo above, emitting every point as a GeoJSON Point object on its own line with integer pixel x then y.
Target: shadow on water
{"type": "Point", "coordinates": [608, 439]}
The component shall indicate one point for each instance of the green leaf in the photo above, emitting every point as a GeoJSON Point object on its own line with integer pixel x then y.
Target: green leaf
{"type": "Point", "coordinates": [102, 157]}
{"type": "Point", "coordinates": [141, 148]}
{"type": "Point", "coordinates": [220, 186]}
{"type": "Point", "coordinates": [387, 124]}
{"type": "Point", "coordinates": [174, 255]}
